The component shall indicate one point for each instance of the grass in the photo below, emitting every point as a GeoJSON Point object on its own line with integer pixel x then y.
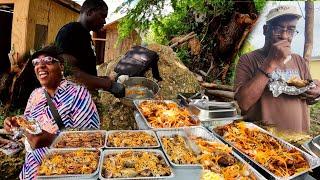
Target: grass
{"type": "Point", "coordinates": [315, 119]}
{"type": "Point", "coordinates": [315, 112]}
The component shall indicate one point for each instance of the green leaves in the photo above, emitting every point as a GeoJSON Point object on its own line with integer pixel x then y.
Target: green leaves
{"type": "Point", "coordinates": [152, 16]}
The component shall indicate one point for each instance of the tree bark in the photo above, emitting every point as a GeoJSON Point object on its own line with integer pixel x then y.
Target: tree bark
{"type": "Point", "coordinates": [221, 93]}
{"type": "Point", "coordinates": [308, 33]}
{"type": "Point", "coordinates": [217, 86]}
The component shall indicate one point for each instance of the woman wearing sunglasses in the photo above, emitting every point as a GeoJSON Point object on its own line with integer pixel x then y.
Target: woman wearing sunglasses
{"type": "Point", "coordinates": [59, 104]}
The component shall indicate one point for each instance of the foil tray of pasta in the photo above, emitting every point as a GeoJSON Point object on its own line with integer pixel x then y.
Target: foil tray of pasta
{"type": "Point", "coordinates": [117, 139]}
{"type": "Point", "coordinates": [134, 164]}
{"type": "Point", "coordinates": [70, 163]}
{"type": "Point", "coordinates": [190, 147]}
{"type": "Point", "coordinates": [278, 158]}
{"type": "Point", "coordinates": [165, 114]}
{"type": "Point", "coordinates": [80, 139]}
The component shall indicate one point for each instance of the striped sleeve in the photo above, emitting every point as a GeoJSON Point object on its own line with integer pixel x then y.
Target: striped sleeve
{"type": "Point", "coordinates": [32, 162]}
{"type": "Point", "coordinates": [84, 111]}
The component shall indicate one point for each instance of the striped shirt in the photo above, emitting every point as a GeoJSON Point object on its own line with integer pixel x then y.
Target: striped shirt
{"type": "Point", "coordinates": [76, 108]}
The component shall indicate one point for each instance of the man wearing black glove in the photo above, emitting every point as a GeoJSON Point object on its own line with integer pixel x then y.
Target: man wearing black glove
{"type": "Point", "coordinates": [78, 51]}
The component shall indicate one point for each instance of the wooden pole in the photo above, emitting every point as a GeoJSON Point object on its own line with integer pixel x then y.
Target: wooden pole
{"type": "Point", "coordinates": [308, 32]}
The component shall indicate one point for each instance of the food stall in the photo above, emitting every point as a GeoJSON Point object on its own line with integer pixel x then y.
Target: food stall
{"type": "Point", "coordinates": [178, 139]}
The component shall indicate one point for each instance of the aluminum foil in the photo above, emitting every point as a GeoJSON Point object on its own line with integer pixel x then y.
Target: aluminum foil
{"type": "Point", "coordinates": [278, 83]}
{"type": "Point", "coordinates": [313, 161]}
{"type": "Point", "coordinates": [138, 102]}
{"type": "Point", "coordinates": [199, 132]}
{"type": "Point", "coordinates": [152, 133]}
{"type": "Point", "coordinates": [159, 152]}
{"type": "Point", "coordinates": [57, 140]}
{"type": "Point", "coordinates": [18, 131]}
{"type": "Point", "coordinates": [278, 87]}
{"type": "Point", "coordinates": [73, 176]}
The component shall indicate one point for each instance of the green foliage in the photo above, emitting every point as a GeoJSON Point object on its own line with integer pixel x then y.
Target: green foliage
{"type": "Point", "coordinates": [183, 54]}
{"type": "Point", "coordinates": [315, 110]}
{"type": "Point", "coordinates": [148, 14]}
{"type": "Point", "coordinates": [259, 4]}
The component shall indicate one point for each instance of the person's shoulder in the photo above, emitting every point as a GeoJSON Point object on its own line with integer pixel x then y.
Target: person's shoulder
{"type": "Point", "coordinates": [298, 58]}
{"type": "Point", "coordinates": [70, 27]}
{"type": "Point", "coordinates": [248, 57]}
{"type": "Point", "coordinates": [36, 93]}
{"type": "Point", "coordinates": [37, 90]}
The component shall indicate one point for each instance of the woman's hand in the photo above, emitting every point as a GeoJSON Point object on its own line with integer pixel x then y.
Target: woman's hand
{"type": "Point", "coordinates": [44, 139]}
{"type": "Point", "coordinates": [9, 123]}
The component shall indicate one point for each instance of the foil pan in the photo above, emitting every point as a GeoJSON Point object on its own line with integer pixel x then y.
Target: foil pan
{"type": "Point", "coordinates": [199, 132]}
{"type": "Point", "coordinates": [57, 140]}
{"type": "Point", "coordinates": [152, 133]}
{"type": "Point", "coordinates": [313, 161]}
{"type": "Point", "coordinates": [73, 176]}
{"type": "Point", "coordinates": [316, 142]}
{"type": "Point", "coordinates": [219, 121]}
{"type": "Point", "coordinates": [206, 109]}
{"type": "Point", "coordinates": [278, 87]}
{"type": "Point", "coordinates": [106, 152]}
{"type": "Point", "coordinates": [137, 103]}
{"type": "Point", "coordinates": [311, 149]}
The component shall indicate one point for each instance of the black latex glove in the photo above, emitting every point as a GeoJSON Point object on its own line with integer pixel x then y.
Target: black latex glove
{"type": "Point", "coordinates": [118, 90]}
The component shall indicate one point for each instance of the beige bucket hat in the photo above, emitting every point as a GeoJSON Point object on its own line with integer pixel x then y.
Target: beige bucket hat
{"type": "Point", "coordinates": [283, 10]}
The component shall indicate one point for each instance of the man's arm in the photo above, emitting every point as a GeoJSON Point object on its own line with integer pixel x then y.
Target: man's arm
{"type": "Point", "coordinates": [250, 91]}
{"type": "Point", "coordinates": [92, 82]}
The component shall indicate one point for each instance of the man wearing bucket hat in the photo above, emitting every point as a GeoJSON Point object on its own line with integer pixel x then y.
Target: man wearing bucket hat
{"type": "Point", "coordinates": [255, 68]}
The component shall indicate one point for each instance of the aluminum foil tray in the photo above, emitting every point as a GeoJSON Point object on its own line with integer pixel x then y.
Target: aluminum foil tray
{"type": "Point", "coordinates": [280, 87]}
{"type": "Point", "coordinates": [316, 143]}
{"type": "Point", "coordinates": [137, 103]}
{"type": "Point", "coordinates": [106, 152]}
{"type": "Point", "coordinates": [74, 176]}
{"type": "Point", "coordinates": [311, 149]}
{"type": "Point", "coordinates": [219, 121]}
{"type": "Point", "coordinates": [313, 161]}
{"type": "Point", "coordinates": [205, 109]}
{"type": "Point", "coordinates": [68, 132]}
{"type": "Point", "coordinates": [204, 133]}
{"type": "Point", "coordinates": [152, 133]}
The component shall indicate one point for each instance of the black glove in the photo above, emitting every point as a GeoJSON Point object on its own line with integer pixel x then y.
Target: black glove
{"type": "Point", "coordinates": [118, 90]}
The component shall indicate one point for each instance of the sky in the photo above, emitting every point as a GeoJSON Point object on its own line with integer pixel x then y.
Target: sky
{"type": "Point", "coordinates": [256, 38]}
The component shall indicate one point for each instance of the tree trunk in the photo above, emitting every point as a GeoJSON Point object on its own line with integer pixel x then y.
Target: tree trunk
{"type": "Point", "coordinates": [308, 33]}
